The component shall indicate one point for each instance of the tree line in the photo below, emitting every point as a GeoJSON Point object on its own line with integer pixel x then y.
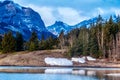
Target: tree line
{"type": "Point", "coordinates": [10, 43]}
{"type": "Point", "coordinates": [100, 39]}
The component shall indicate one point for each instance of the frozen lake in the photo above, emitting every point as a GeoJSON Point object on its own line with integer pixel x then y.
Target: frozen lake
{"type": "Point", "coordinates": [58, 73]}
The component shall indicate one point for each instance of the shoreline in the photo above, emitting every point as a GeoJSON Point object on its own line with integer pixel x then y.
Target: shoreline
{"type": "Point", "coordinates": [24, 59]}
{"type": "Point", "coordinates": [31, 66]}
{"type": "Point", "coordinates": [43, 69]}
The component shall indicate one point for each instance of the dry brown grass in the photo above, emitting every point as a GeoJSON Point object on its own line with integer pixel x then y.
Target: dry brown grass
{"type": "Point", "coordinates": [26, 58]}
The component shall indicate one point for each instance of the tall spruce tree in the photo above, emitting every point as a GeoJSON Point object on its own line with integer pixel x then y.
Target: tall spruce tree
{"type": "Point", "coordinates": [0, 43]}
{"type": "Point", "coordinates": [19, 42]}
{"type": "Point", "coordinates": [100, 35]}
{"type": "Point", "coordinates": [33, 42]}
{"type": "Point", "coordinates": [8, 43]}
{"type": "Point", "coordinates": [93, 42]}
{"type": "Point", "coordinates": [61, 39]}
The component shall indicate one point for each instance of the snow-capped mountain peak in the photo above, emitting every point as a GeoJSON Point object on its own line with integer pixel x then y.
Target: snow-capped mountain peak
{"type": "Point", "coordinates": [58, 26]}
{"type": "Point", "coordinates": [16, 18]}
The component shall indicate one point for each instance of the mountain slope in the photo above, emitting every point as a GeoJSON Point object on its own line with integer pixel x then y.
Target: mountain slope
{"type": "Point", "coordinates": [16, 18]}
{"type": "Point", "coordinates": [58, 26]}
{"type": "Point", "coordinates": [85, 23]}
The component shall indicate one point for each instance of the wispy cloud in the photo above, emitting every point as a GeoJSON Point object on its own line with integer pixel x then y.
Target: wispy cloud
{"type": "Point", "coordinates": [65, 14]}
{"type": "Point", "coordinates": [116, 10]}
{"type": "Point", "coordinates": [70, 15]}
{"type": "Point", "coordinates": [71, 12]}
{"type": "Point", "coordinates": [106, 12]}
{"type": "Point", "coordinates": [46, 13]}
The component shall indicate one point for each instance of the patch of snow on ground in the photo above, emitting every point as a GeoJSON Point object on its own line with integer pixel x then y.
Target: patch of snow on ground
{"type": "Point", "coordinates": [58, 61]}
{"type": "Point", "coordinates": [80, 60]}
{"type": "Point", "coordinates": [90, 58]}
{"type": "Point", "coordinates": [58, 71]}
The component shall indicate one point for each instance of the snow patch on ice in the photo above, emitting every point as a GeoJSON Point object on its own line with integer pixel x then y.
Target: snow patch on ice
{"type": "Point", "coordinates": [66, 62]}
{"type": "Point", "coordinates": [83, 59]}
{"type": "Point", "coordinates": [58, 61]}
{"type": "Point", "coordinates": [90, 58]}
{"type": "Point", "coordinates": [80, 60]}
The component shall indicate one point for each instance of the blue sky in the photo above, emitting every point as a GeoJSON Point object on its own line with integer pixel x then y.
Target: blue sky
{"type": "Point", "coordinates": [71, 11]}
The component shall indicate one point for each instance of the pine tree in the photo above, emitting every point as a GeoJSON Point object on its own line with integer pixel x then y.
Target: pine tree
{"type": "Point", "coordinates": [99, 34]}
{"type": "Point", "coordinates": [33, 42]}
{"type": "Point", "coordinates": [93, 42]}
{"type": "Point", "coordinates": [61, 39]}
{"type": "Point", "coordinates": [109, 37]}
{"type": "Point", "coordinates": [19, 42]}
{"type": "Point", "coordinates": [8, 43]}
{"type": "Point", "coordinates": [32, 46]}
{"type": "Point", "coordinates": [51, 42]}
{"type": "Point", "coordinates": [0, 43]}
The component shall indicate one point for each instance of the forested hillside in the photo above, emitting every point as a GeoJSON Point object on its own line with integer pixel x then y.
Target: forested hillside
{"type": "Point", "coordinates": [101, 39]}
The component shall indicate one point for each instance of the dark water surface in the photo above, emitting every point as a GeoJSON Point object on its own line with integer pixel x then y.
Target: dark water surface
{"type": "Point", "coordinates": [58, 73]}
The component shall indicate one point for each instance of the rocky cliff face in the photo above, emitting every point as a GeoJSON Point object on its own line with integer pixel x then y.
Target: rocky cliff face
{"type": "Point", "coordinates": [16, 18]}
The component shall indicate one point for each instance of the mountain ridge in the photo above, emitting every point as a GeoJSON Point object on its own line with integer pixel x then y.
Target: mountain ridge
{"type": "Point", "coordinates": [16, 18]}
{"type": "Point", "coordinates": [58, 26]}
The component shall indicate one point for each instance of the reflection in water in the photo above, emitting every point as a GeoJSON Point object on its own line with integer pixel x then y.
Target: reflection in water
{"type": "Point", "coordinates": [59, 73]}
{"type": "Point", "coordinates": [78, 72]}
{"type": "Point", "coordinates": [26, 76]}
{"type": "Point", "coordinates": [64, 71]}
{"type": "Point", "coordinates": [91, 73]}
{"type": "Point", "coordinates": [99, 74]}
{"type": "Point", "coordinates": [113, 76]}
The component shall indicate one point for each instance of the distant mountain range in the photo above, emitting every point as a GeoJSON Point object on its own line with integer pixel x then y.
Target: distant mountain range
{"type": "Point", "coordinates": [58, 26]}
{"type": "Point", "coordinates": [16, 18]}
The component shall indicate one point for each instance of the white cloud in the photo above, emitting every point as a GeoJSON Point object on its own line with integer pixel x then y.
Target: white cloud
{"type": "Point", "coordinates": [21, 2]}
{"type": "Point", "coordinates": [52, 14]}
{"type": "Point", "coordinates": [116, 11]}
{"type": "Point", "coordinates": [98, 11]}
{"type": "Point", "coordinates": [46, 13]}
{"type": "Point", "coordinates": [70, 15]}
{"type": "Point", "coordinates": [105, 12]}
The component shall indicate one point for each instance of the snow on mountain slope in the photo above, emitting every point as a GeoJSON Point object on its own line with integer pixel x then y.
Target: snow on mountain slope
{"type": "Point", "coordinates": [16, 18]}
{"type": "Point", "coordinates": [58, 26]}
{"type": "Point", "coordinates": [86, 23]}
